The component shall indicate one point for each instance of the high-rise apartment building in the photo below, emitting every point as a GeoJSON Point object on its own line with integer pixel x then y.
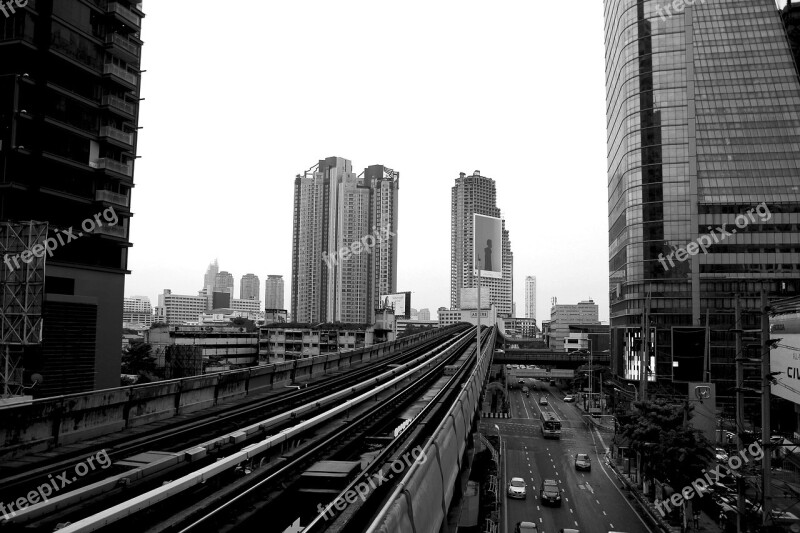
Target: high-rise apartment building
{"type": "Point", "coordinates": [137, 310]}
{"type": "Point", "coordinates": [250, 287]}
{"type": "Point", "coordinates": [273, 295]}
{"type": "Point", "coordinates": [344, 246]}
{"type": "Point", "coordinates": [223, 282]}
{"type": "Point", "coordinates": [69, 105]}
{"type": "Point", "coordinates": [703, 174]}
{"type": "Point", "coordinates": [530, 297]}
{"type": "Point", "coordinates": [211, 275]}
{"type": "Point", "coordinates": [470, 195]}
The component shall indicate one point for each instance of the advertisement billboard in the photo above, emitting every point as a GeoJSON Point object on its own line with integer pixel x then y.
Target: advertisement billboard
{"type": "Point", "coordinates": [400, 302]}
{"type": "Point", "coordinates": [487, 246]}
{"type": "Point", "coordinates": [633, 355]}
{"type": "Point", "coordinates": [785, 357]}
{"type": "Point", "coordinates": [688, 353]}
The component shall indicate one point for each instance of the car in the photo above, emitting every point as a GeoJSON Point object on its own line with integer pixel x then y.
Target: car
{"type": "Point", "coordinates": [521, 381]}
{"type": "Point", "coordinates": [583, 461]}
{"type": "Point", "coordinates": [569, 399]}
{"type": "Point", "coordinates": [542, 400]}
{"type": "Point", "coordinates": [526, 527]}
{"type": "Point", "coordinates": [550, 493]}
{"type": "Point", "coordinates": [553, 382]}
{"type": "Point", "coordinates": [569, 530]}
{"type": "Point", "coordinates": [516, 488]}
{"type": "Point", "coordinates": [721, 455]}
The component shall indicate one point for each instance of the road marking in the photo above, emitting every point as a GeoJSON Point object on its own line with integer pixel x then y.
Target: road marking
{"type": "Point", "coordinates": [589, 487]}
{"type": "Point", "coordinates": [581, 486]}
{"type": "Point", "coordinates": [598, 502]}
{"type": "Point", "coordinates": [573, 512]}
{"type": "Point", "coordinates": [612, 525]}
{"type": "Point", "coordinates": [604, 513]}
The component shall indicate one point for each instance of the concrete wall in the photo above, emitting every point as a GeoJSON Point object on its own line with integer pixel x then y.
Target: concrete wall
{"type": "Point", "coordinates": [45, 424]}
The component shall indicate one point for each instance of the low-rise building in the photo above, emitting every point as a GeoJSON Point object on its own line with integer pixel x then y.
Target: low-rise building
{"type": "Point", "coordinates": [297, 341]}
{"type": "Point", "coordinates": [454, 316]}
{"type": "Point", "coordinates": [520, 327]}
{"type": "Point", "coordinates": [403, 324]}
{"type": "Point", "coordinates": [185, 350]}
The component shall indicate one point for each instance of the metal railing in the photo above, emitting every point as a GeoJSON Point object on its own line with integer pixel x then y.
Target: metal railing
{"type": "Point", "coordinates": [119, 103]}
{"type": "Point", "coordinates": [115, 70]}
{"type": "Point", "coordinates": [125, 13]}
{"type": "Point", "coordinates": [119, 135]}
{"type": "Point", "coordinates": [112, 197]}
{"type": "Point", "coordinates": [111, 164]}
{"type": "Point", "coordinates": [122, 42]}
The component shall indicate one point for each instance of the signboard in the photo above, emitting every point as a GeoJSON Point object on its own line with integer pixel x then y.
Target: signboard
{"type": "Point", "coordinates": [785, 357]}
{"type": "Point", "coordinates": [633, 346]}
{"type": "Point", "coordinates": [487, 247]}
{"type": "Point", "coordinates": [688, 353]}
{"type": "Point", "coordinates": [400, 302]}
{"type": "Point", "coordinates": [703, 398]}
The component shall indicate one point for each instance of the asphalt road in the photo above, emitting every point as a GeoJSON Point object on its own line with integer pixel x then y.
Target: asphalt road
{"type": "Point", "coordinates": [591, 501]}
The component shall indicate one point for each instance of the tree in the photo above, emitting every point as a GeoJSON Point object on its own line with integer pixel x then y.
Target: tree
{"type": "Point", "coordinates": [413, 329]}
{"type": "Point", "coordinates": [158, 325]}
{"type": "Point", "coordinates": [673, 452]}
{"type": "Point", "coordinates": [245, 323]}
{"type": "Point", "coordinates": [137, 359]}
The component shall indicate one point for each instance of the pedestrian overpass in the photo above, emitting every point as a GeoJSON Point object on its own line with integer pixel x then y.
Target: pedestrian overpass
{"type": "Point", "coordinates": [520, 356]}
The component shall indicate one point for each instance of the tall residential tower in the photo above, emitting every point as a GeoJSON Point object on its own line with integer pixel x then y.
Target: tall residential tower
{"type": "Point", "coordinates": [470, 195]}
{"type": "Point", "coordinates": [344, 245]}
{"type": "Point", "coordinates": [530, 297]}
{"type": "Point", "coordinates": [249, 287]}
{"type": "Point", "coordinates": [273, 294]}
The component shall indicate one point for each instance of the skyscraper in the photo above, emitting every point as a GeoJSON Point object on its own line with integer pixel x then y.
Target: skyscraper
{"type": "Point", "coordinates": [249, 287]}
{"type": "Point", "coordinates": [69, 107]}
{"type": "Point", "coordinates": [470, 195]}
{"type": "Point", "coordinates": [211, 275]}
{"type": "Point", "coordinates": [703, 174]}
{"type": "Point", "coordinates": [530, 297]}
{"type": "Point", "coordinates": [273, 295]}
{"type": "Point", "coordinates": [223, 282]}
{"type": "Point", "coordinates": [344, 246]}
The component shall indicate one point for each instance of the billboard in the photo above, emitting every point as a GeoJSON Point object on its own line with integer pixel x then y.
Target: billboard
{"type": "Point", "coordinates": [688, 353]}
{"type": "Point", "coordinates": [633, 355]}
{"type": "Point", "coordinates": [488, 246]}
{"type": "Point", "coordinates": [785, 357]}
{"type": "Point", "coordinates": [400, 302]}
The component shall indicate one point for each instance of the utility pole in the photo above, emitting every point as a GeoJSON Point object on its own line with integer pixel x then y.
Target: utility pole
{"type": "Point", "coordinates": [645, 358]}
{"type": "Point", "coordinates": [739, 358]}
{"type": "Point", "coordinates": [765, 421]}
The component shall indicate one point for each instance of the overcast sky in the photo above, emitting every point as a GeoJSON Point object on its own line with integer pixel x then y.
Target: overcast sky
{"type": "Point", "coordinates": [240, 97]}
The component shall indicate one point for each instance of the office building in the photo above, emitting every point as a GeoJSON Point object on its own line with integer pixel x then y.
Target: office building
{"type": "Point", "coordinates": [179, 308]}
{"type": "Point", "coordinates": [211, 275]}
{"type": "Point", "coordinates": [298, 341]}
{"type": "Point", "coordinates": [562, 316]}
{"type": "Point", "coordinates": [703, 178]}
{"type": "Point", "coordinates": [344, 244]}
{"type": "Point", "coordinates": [250, 287]}
{"type": "Point", "coordinates": [196, 349]}
{"type": "Point", "coordinates": [223, 282]}
{"type": "Point", "coordinates": [251, 306]}
{"type": "Point", "coordinates": [69, 104]}
{"type": "Point", "coordinates": [273, 295]}
{"type": "Point", "coordinates": [530, 297]}
{"type": "Point", "coordinates": [424, 315]}
{"type": "Point", "coordinates": [470, 195]}
{"type": "Point", "coordinates": [137, 310]}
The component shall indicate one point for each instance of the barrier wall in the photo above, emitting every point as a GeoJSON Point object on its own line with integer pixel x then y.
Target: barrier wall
{"type": "Point", "coordinates": [51, 422]}
{"type": "Point", "coordinates": [421, 501]}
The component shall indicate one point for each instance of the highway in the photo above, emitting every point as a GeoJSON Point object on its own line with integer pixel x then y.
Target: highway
{"type": "Point", "coordinates": [591, 501]}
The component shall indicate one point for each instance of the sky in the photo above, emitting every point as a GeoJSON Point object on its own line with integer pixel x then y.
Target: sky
{"type": "Point", "coordinates": [241, 97]}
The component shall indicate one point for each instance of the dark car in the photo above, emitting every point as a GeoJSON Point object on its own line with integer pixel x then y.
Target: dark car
{"type": "Point", "coordinates": [583, 461]}
{"type": "Point", "coordinates": [526, 527]}
{"type": "Point", "coordinates": [550, 493]}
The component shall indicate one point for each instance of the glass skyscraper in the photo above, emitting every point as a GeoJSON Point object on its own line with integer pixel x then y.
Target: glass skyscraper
{"type": "Point", "coordinates": [703, 125]}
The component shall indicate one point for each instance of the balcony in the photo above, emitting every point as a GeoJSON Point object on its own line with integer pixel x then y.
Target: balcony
{"type": "Point", "coordinates": [117, 135]}
{"type": "Point", "coordinates": [112, 198]}
{"type": "Point", "coordinates": [119, 72]}
{"type": "Point", "coordinates": [125, 14]}
{"type": "Point", "coordinates": [113, 231]}
{"type": "Point", "coordinates": [105, 163]}
{"type": "Point", "coordinates": [119, 104]}
{"type": "Point", "coordinates": [122, 47]}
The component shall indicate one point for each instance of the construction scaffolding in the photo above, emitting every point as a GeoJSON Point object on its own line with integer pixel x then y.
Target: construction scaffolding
{"type": "Point", "coordinates": [23, 252]}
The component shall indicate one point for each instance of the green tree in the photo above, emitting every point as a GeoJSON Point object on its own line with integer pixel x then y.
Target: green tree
{"type": "Point", "coordinates": [245, 323]}
{"type": "Point", "coordinates": [413, 329]}
{"type": "Point", "coordinates": [672, 451]}
{"type": "Point", "coordinates": [137, 359]}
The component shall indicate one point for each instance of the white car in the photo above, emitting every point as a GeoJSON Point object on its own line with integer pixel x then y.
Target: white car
{"type": "Point", "coordinates": [517, 489]}
{"type": "Point", "coordinates": [721, 455]}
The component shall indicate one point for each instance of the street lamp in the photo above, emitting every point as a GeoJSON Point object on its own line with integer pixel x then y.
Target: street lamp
{"type": "Point", "coordinates": [635, 391]}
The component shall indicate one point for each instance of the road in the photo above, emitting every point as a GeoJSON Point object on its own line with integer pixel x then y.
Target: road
{"type": "Point", "coordinates": [591, 501]}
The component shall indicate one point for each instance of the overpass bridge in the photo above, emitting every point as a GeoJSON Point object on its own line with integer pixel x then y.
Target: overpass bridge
{"type": "Point", "coordinates": [548, 358]}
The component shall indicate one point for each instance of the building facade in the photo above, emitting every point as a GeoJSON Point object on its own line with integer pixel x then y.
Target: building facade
{"type": "Point", "coordinates": [344, 246]}
{"type": "Point", "coordinates": [250, 287]}
{"type": "Point", "coordinates": [251, 306]}
{"type": "Point", "coordinates": [223, 282]}
{"type": "Point", "coordinates": [470, 195]}
{"type": "Point", "coordinates": [191, 350]}
{"type": "Point", "coordinates": [179, 308]}
{"type": "Point", "coordinates": [562, 316]}
{"type": "Point", "coordinates": [703, 174]}
{"type": "Point", "coordinates": [279, 342]}
{"type": "Point", "coordinates": [210, 277]}
{"type": "Point", "coordinates": [69, 108]}
{"type": "Point", "coordinates": [530, 297]}
{"type": "Point", "coordinates": [137, 310]}
{"type": "Point", "coordinates": [424, 315]}
{"type": "Point", "coordinates": [273, 293]}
